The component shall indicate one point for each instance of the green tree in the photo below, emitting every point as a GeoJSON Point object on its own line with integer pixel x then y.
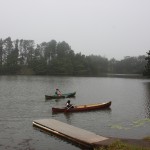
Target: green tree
{"type": "Point", "coordinates": [50, 51]}
{"type": "Point", "coordinates": [38, 62]}
{"type": "Point", "coordinates": [128, 65]}
{"type": "Point", "coordinates": [112, 65]}
{"type": "Point", "coordinates": [97, 64]}
{"type": "Point", "coordinates": [140, 65]}
{"type": "Point", "coordinates": [1, 52]}
{"type": "Point", "coordinates": [58, 58]}
{"type": "Point", "coordinates": [8, 48]}
{"type": "Point", "coordinates": [147, 66]}
{"type": "Point", "coordinates": [15, 53]}
{"type": "Point", "coordinates": [63, 49]}
{"type": "Point", "coordinates": [79, 64]}
{"type": "Point", "coordinates": [26, 51]}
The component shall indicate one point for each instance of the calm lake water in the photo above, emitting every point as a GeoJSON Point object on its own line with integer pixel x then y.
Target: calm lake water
{"type": "Point", "coordinates": [22, 101]}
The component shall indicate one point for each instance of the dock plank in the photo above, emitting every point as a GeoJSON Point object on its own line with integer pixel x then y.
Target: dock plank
{"type": "Point", "coordinates": [70, 131]}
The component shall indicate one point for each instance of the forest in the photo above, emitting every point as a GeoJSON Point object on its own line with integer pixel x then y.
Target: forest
{"type": "Point", "coordinates": [24, 57]}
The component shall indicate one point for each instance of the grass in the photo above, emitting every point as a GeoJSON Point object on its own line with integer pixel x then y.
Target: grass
{"type": "Point", "coordinates": [118, 145]}
{"type": "Point", "coordinates": [147, 138]}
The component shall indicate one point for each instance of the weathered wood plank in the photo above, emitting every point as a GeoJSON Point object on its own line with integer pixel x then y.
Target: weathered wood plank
{"type": "Point", "coordinates": [69, 131]}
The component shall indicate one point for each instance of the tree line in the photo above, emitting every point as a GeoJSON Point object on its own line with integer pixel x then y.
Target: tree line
{"type": "Point", "coordinates": [57, 58]}
{"type": "Point", "coordinates": [147, 66]}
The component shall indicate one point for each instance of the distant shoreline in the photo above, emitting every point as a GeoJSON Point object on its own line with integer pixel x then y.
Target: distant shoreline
{"type": "Point", "coordinates": [101, 75]}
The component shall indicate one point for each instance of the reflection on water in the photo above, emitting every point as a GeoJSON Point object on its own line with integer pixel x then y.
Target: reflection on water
{"type": "Point", "coordinates": [147, 99]}
{"type": "Point", "coordinates": [70, 115]}
{"type": "Point", "coordinates": [131, 125]}
{"type": "Point", "coordinates": [22, 100]}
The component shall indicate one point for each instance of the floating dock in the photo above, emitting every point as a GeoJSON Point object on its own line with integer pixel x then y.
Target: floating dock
{"type": "Point", "coordinates": [74, 134]}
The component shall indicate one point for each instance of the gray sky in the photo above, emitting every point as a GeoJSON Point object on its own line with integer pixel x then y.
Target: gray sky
{"type": "Point", "coordinates": [110, 28]}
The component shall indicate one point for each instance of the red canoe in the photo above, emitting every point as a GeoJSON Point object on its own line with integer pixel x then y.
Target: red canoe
{"type": "Point", "coordinates": [97, 106]}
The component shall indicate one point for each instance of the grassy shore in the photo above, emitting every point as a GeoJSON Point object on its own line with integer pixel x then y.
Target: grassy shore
{"type": "Point", "coordinates": [119, 145]}
{"type": "Point", "coordinates": [147, 138]}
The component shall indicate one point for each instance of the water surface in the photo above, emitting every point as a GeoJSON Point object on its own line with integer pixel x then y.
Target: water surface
{"type": "Point", "coordinates": [22, 101]}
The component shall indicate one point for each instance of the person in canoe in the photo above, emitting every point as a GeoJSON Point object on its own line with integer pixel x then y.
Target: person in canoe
{"type": "Point", "coordinates": [57, 92]}
{"type": "Point", "coordinates": [68, 105]}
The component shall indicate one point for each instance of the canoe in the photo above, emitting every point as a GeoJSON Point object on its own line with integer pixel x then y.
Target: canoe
{"type": "Point", "coordinates": [97, 106]}
{"type": "Point", "coordinates": [68, 95]}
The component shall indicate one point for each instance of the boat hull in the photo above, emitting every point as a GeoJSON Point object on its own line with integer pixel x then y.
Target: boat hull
{"type": "Point", "coordinates": [80, 108]}
{"type": "Point", "coordinates": [69, 95]}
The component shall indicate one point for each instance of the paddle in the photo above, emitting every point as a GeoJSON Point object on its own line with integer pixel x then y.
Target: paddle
{"type": "Point", "coordinates": [59, 92]}
{"type": "Point", "coordinates": [65, 95]}
{"type": "Point", "coordinates": [69, 107]}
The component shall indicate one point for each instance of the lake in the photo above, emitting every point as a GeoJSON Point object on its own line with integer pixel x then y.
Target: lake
{"type": "Point", "coordinates": [22, 101]}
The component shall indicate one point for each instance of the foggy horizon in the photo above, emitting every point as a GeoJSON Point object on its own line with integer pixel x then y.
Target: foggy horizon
{"type": "Point", "coordinates": [111, 29]}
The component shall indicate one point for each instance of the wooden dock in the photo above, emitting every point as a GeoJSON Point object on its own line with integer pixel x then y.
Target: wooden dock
{"type": "Point", "coordinates": [74, 134]}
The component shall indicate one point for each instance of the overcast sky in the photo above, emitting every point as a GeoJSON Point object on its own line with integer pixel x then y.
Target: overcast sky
{"type": "Point", "coordinates": [110, 28]}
